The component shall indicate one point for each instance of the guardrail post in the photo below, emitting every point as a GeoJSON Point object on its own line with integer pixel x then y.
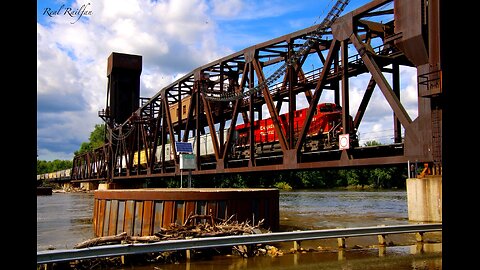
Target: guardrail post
{"type": "Point", "coordinates": [297, 245]}
{"type": "Point", "coordinates": [341, 254]}
{"type": "Point", "coordinates": [341, 242]}
{"type": "Point", "coordinates": [419, 236]}
{"type": "Point", "coordinates": [188, 254]}
{"type": "Point", "coordinates": [419, 248]}
{"type": "Point", "coordinates": [381, 240]}
{"type": "Point", "coordinates": [382, 250]}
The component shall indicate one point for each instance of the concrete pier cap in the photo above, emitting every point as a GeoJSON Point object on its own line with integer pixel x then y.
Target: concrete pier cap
{"type": "Point", "coordinates": [424, 196]}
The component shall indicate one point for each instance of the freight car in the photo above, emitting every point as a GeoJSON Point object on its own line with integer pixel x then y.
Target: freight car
{"type": "Point", "coordinates": [206, 151]}
{"type": "Point", "coordinates": [58, 175]}
{"type": "Point", "coordinates": [322, 134]}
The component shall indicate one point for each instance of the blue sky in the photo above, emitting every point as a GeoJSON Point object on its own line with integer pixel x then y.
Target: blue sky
{"type": "Point", "coordinates": [173, 37]}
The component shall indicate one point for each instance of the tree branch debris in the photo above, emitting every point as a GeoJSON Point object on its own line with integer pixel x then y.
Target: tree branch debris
{"type": "Point", "coordinates": [196, 226]}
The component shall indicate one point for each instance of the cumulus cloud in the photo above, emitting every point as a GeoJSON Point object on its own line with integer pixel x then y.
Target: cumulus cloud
{"type": "Point", "coordinates": [227, 8]}
{"type": "Point", "coordinates": [173, 38]}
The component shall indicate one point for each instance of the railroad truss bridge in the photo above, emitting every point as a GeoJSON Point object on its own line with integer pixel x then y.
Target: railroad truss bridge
{"type": "Point", "coordinates": [207, 105]}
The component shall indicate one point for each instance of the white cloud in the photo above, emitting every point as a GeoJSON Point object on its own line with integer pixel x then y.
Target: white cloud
{"type": "Point", "coordinates": [227, 8]}
{"type": "Point", "coordinates": [173, 38]}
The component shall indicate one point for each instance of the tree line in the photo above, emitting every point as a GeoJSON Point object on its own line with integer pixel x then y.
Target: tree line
{"type": "Point", "coordinates": [96, 139]}
{"type": "Point", "coordinates": [364, 178]}
{"type": "Point", "coordinates": [44, 166]}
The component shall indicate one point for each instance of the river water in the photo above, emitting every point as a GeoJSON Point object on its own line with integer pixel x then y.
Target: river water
{"type": "Point", "coordinates": [65, 219]}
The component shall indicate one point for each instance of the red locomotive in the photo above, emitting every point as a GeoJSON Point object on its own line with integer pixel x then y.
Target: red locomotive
{"type": "Point", "coordinates": [322, 134]}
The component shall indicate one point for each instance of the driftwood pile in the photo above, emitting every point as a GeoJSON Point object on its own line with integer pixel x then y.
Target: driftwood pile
{"type": "Point", "coordinates": [192, 228]}
{"type": "Point", "coordinates": [196, 226]}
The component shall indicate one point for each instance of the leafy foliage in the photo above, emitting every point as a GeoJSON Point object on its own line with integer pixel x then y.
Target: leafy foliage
{"type": "Point", "coordinates": [96, 139]}
{"type": "Point", "coordinates": [52, 166]}
{"type": "Point", "coordinates": [375, 177]}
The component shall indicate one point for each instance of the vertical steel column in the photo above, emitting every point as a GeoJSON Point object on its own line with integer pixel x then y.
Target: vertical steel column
{"type": "Point", "coordinates": [163, 138]}
{"type": "Point", "coordinates": [221, 129]}
{"type": "Point", "coordinates": [211, 124]}
{"type": "Point", "coordinates": [179, 114]}
{"type": "Point", "coordinates": [170, 125]}
{"type": "Point", "coordinates": [231, 131]}
{"type": "Point", "coordinates": [197, 124]}
{"type": "Point", "coordinates": [251, 113]}
{"type": "Point", "coordinates": [397, 128]}
{"type": "Point", "coordinates": [291, 101]}
{"type": "Point", "coordinates": [335, 84]}
{"type": "Point", "coordinates": [345, 98]}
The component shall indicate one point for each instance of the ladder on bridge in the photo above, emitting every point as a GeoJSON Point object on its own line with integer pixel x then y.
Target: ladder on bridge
{"type": "Point", "coordinates": [436, 141]}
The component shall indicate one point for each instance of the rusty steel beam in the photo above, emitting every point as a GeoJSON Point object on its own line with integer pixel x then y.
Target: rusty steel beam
{"type": "Point", "coordinates": [155, 141]}
{"type": "Point", "coordinates": [163, 137]}
{"type": "Point", "coordinates": [196, 95]}
{"type": "Point", "coordinates": [397, 128]}
{"type": "Point", "coordinates": [251, 116]}
{"type": "Point", "coordinates": [191, 108]}
{"type": "Point", "coordinates": [364, 103]}
{"type": "Point", "coordinates": [233, 123]}
{"type": "Point", "coordinates": [246, 69]}
{"type": "Point", "coordinates": [271, 108]}
{"type": "Point", "coordinates": [345, 88]}
{"type": "Point", "coordinates": [169, 126]}
{"type": "Point", "coordinates": [335, 45]}
{"type": "Point", "coordinates": [213, 133]}
{"type": "Point", "coordinates": [382, 82]}
{"type": "Point", "coordinates": [341, 163]}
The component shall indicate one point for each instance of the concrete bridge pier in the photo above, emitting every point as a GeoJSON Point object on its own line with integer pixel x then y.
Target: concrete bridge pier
{"type": "Point", "coordinates": [424, 196]}
{"type": "Point", "coordinates": [89, 185]}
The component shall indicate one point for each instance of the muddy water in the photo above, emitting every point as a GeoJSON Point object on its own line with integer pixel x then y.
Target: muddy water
{"type": "Point", "coordinates": [64, 219]}
{"type": "Point", "coordinates": [316, 209]}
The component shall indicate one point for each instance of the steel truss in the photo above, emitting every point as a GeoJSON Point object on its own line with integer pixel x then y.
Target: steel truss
{"type": "Point", "coordinates": [380, 47]}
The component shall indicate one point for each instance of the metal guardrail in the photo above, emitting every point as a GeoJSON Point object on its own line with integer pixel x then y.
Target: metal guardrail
{"type": "Point", "coordinates": [116, 250]}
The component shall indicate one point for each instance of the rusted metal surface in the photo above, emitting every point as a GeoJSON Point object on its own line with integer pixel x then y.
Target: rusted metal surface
{"type": "Point", "coordinates": [410, 22]}
{"type": "Point", "coordinates": [123, 72]}
{"type": "Point", "coordinates": [157, 208]}
{"type": "Point", "coordinates": [409, 38]}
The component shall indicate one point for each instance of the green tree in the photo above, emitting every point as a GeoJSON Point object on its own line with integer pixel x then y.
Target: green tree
{"type": "Point", "coordinates": [371, 143]}
{"type": "Point", "coordinates": [346, 177]}
{"type": "Point", "coordinates": [96, 139]}
{"type": "Point", "coordinates": [53, 166]}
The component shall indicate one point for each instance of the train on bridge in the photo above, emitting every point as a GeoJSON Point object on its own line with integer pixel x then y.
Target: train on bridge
{"type": "Point", "coordinates": [58, 175]}
{"type": "Point", "coordinates": [323, 134]}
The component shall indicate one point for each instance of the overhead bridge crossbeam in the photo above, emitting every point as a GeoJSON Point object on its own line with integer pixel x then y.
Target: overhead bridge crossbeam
{"type": "Point", "coordinates": [51, 256]}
